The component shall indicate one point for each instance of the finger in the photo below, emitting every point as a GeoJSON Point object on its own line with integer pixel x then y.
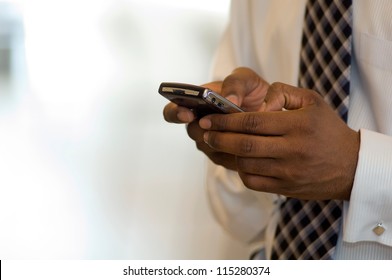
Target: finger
{"type": "Point", "coordinates": [262, 183]}
{"type": "Point", "coordinates": [281, 96]}
{"type": "Point", "coordinates": [244, 83]}
{"type": "Point", "coordinates": [283, 187]}
{"type": "Point", "coordinates": [245, 145]}
{"type": "Point", "coordinates": [269, 167]}
{"type": "Point", "coordinates": [226, 160]}
{"type": "Point", "coordinates": [176, 114]}
{"type": "Point", "coordinates": [219, 158]}
{"type": "Point", "coordinates": [271, 185]}
{"type": "Point", "coordinates": [214, 86]}
{"type": "Point", "coordinates": [195, 132]}
{"type": "Point", "coordinates": [258, 123]}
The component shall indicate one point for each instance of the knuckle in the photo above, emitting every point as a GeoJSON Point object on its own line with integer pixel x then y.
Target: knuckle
{"type": "Point", "coordinates": [307, 124]}
{"type": "Point", "coordinates": [251, 123]}
{"type": "Point", "coordinates": [220, 122]}
{"type": "Point", "coordinates": [277, 87]}
{"type": "Point", "coordinates": [247, 146]}
{"type": "Point", "coordinates": [231, 84]}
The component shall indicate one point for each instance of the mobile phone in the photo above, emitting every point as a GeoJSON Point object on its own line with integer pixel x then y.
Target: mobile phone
{"type": "Point", "coordinates": [201, 100]}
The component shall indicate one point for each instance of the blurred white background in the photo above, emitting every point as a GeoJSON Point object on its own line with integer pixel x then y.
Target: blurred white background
{"type": "Point", "coordinates": [88, 167]}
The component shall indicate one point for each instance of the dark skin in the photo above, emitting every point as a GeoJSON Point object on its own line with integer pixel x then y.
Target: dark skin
{"type": "Point", "coordinates": [305, 151]}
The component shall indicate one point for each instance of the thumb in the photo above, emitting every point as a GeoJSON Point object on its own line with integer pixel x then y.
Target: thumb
{"type": "Point", "coordinates": [245, 88]}
{"type": "Point", "coordinates": [214, 86]}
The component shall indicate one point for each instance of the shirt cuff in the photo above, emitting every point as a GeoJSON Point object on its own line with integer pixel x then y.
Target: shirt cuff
{"type": "Point", "coordinates": [369, 215]}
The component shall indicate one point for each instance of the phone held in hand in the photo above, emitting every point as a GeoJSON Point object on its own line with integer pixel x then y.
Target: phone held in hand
{"type": "Point", "coordinates": [201, 100]}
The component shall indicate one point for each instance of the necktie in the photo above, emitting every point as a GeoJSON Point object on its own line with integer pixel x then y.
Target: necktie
{"type": "Point", "coordinates": [309, 229]}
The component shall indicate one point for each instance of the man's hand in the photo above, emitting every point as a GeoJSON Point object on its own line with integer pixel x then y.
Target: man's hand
{"type": "Point", "coordinates": [244, 88]}
{"type": "Point", "coordinates": [306, 152]}
{"type": "Point", "coordinates": [177, 114]}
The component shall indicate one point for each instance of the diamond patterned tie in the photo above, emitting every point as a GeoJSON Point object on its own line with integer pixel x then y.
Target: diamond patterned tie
{"type": "Point", "coordinates": [309, 229]}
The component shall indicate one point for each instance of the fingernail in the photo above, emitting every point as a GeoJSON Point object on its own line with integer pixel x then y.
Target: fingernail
{"type": "Point", "coordinates": [185, 116]}
{"type": "Point", "coordinates": [205, 123]}
{"type": "Point", "coordinates": [205, 137]}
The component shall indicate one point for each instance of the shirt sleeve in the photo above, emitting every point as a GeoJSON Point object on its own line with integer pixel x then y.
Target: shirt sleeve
{"type": "Point", "coordinates": [242, 212]}
{"type": "Point", "coordinates": [369, 215]}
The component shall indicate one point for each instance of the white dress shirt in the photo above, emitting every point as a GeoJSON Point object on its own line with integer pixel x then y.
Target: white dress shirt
{"type": "Point", "coordinates": [265, 35]}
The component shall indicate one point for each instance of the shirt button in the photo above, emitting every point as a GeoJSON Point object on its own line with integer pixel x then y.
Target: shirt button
{"type": "Point", "coordinates": [379, 229]}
